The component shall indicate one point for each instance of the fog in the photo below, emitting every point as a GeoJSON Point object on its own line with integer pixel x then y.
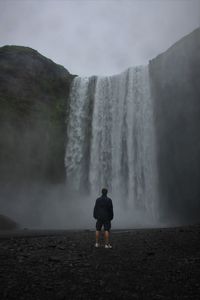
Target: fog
{"type": "Point", "coordinates": [97, 37]}
{"type": "Point", "coordinates": [51, 207]}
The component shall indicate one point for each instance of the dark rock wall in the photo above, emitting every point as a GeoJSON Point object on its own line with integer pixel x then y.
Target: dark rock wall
{"type": "Point", "coordinates": [7, 224]}
{"type": "Point", "coordinates": [33, 99]}
{"type": "Point", "coordinates": [175, 77]}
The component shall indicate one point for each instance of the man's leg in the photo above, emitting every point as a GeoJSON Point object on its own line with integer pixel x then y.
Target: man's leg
{"type": "Point", "coordinates": [97, 236]}
{"type": "Point", "coordinates": [98, 231]}
{"type": "Point", "coordinates": [106, 237]}
{"type": "Point", "coordinates": [107, 227]}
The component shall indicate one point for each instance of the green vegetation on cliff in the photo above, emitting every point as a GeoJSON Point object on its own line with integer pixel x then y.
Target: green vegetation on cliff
{"type": "Point", "coordinates": [33, 99]}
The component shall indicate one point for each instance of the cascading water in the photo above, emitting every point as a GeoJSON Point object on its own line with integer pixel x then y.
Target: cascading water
{"type": "Point", "coordinates": [110, 143]}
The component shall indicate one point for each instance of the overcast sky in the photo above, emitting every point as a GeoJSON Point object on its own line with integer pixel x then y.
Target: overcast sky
{"type": "Point", "coordinates": [101, 37]}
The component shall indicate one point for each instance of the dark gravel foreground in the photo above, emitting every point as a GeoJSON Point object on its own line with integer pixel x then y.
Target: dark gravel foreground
{"type": "Point", "coordinates": [143, 264]}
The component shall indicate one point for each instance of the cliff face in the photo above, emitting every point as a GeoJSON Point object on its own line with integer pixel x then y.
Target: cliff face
{"type": "Point", "coordinates": [33, 93]}
{"type": "Point", "coordinates": [175, 76]}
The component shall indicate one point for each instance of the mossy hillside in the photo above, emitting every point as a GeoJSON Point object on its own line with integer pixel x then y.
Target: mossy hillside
{"type": "Point", "coordinates": [33, 100]}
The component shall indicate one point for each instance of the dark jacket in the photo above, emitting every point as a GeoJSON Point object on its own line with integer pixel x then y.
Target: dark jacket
{"type": "Point", "coordinates": [103, 209]}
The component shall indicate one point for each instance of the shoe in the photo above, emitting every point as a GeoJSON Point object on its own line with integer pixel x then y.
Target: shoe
{"type": "Point", "coordinates": [108, 246]}
{"type": "Point", "coordinates": [97, 245]}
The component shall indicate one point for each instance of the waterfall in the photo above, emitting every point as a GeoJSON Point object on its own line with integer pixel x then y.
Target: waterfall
{"type": "Point", "coordinates": [110, 140]}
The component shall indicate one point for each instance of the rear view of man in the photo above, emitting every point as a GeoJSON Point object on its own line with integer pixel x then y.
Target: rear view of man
{"type": "Point", "coordinates": [103, 213]}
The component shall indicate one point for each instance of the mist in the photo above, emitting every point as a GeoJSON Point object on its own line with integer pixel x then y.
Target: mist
{"type": "Point", "coordinates": [51, 207]}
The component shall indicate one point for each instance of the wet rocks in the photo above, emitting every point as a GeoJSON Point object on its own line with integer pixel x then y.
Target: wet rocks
{"type": "Point", "coordinates": [69, 267]}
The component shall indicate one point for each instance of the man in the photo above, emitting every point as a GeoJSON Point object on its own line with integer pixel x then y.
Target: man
{"type": "Point", "coordinates": [103, 213]}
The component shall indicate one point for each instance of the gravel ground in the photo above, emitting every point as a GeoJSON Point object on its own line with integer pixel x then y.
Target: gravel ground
{"type": "Point", "coordinates": [143, 264]}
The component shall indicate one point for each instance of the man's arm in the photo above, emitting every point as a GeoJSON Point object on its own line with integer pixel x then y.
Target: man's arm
{"type": "Point", "coordinates": [95, 210]}
{"type": "Point", "coordinates": [111, 210]}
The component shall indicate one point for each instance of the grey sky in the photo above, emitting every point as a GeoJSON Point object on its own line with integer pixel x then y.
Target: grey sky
{"type": "Point", "coordinates": [100, 37]}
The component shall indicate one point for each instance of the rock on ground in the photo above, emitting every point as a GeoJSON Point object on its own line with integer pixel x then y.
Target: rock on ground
{"type": "Point", "coordinates": [143, 264]}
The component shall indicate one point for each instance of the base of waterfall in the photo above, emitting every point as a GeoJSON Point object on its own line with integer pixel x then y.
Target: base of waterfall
{"type": "Point", "coordinates": [162, 263]}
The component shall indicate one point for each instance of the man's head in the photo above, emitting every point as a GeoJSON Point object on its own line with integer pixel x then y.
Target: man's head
{"type": "Point", "coordinates": [104, 191]}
